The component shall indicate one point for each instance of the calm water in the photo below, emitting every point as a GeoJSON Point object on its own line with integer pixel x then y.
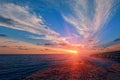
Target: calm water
{"type": "Point", "coordinates": [20, 66]}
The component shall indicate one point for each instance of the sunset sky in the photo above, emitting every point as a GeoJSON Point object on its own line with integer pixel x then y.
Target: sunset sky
{"type": "Point", "coordinates": [59, 26]}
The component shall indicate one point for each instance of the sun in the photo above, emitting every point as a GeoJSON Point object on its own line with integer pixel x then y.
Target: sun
{"type": "Point", "coordinates": [72, 51]}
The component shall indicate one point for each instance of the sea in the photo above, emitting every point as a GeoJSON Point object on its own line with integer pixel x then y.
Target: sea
{"type": "Point", "coordinates": [18, 66]}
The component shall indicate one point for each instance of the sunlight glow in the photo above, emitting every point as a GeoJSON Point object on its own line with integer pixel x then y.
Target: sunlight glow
{"type": "Point", "coordinates": [72, 51]}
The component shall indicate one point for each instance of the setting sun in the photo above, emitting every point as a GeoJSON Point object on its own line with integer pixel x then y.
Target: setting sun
{"type": "Point", "coordinates": [72, 51]}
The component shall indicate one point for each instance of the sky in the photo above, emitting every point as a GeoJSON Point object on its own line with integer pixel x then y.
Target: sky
{"type": "Point", "coordinates": [59, 26]}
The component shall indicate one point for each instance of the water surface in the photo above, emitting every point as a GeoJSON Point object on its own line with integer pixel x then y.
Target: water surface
{"type": "Point", "coordinates": [14, 66]}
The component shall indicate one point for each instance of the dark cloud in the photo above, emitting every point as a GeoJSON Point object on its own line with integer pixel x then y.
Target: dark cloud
{"type": "Point", "coordinates": [62, 44]}
{"type": "Point", "coordinates": [22, 48]}
{"type": "Point", "coordinates": [6, 20]}
{"type": "Point", "coordinates": [113, 42]}
{"type": "Point", "coordinates": [3, 46]}
{"type": "Point", "coordinates": [46, 49]}
{"type": "Point", "coordinates": [3, 35]}
{"type": "Point", "coordinates": [52, 44]}
{"type": "Point", "coordinates": [47, 44]}
{"type": "Point", "coordinates": [116, 40]}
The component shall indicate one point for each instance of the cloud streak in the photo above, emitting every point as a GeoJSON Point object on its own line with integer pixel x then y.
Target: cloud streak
{"type": "Point", "coordinates": [89, 16]}
{"type": "Point", "coordinates": [20, 18]}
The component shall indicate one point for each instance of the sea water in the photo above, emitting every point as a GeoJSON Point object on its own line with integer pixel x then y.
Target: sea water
{"type": "Point", "coordinates": [17, 66]}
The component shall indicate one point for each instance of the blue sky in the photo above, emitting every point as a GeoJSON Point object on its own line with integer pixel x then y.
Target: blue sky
{"type": "Point", "coordinates": [61, 21]}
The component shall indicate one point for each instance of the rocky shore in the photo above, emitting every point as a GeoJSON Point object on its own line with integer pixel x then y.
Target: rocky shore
{"type": "Point", "coordinates": [115, 55]}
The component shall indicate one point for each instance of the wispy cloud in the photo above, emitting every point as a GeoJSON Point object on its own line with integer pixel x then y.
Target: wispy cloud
{"type": "Point", "coordinates": [89, 16]}
{"type": "Point", "coordinates": [20, 18]}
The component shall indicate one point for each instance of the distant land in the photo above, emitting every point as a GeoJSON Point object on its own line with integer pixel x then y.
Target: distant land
{"type": "Point", "coordinates": [114, 55]}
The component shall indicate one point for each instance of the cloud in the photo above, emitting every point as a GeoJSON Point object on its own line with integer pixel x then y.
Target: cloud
{"type": "Point", "coordinates": [20, 18]}
{"type": "Point", "coordinates": [6, 20]}
{"type": "Point", "coordinates": [117, 40]}
{"type": "Point", "coordinates": [88, 17]}
{"type": "Point", "coordinates": [112, 42]}
{"type": "Point", "coordinates": [3, 35]}
{"type": "Point", "coordinates": [22, 48]}
{"type": "Point", "coordinates": [3, 46]}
